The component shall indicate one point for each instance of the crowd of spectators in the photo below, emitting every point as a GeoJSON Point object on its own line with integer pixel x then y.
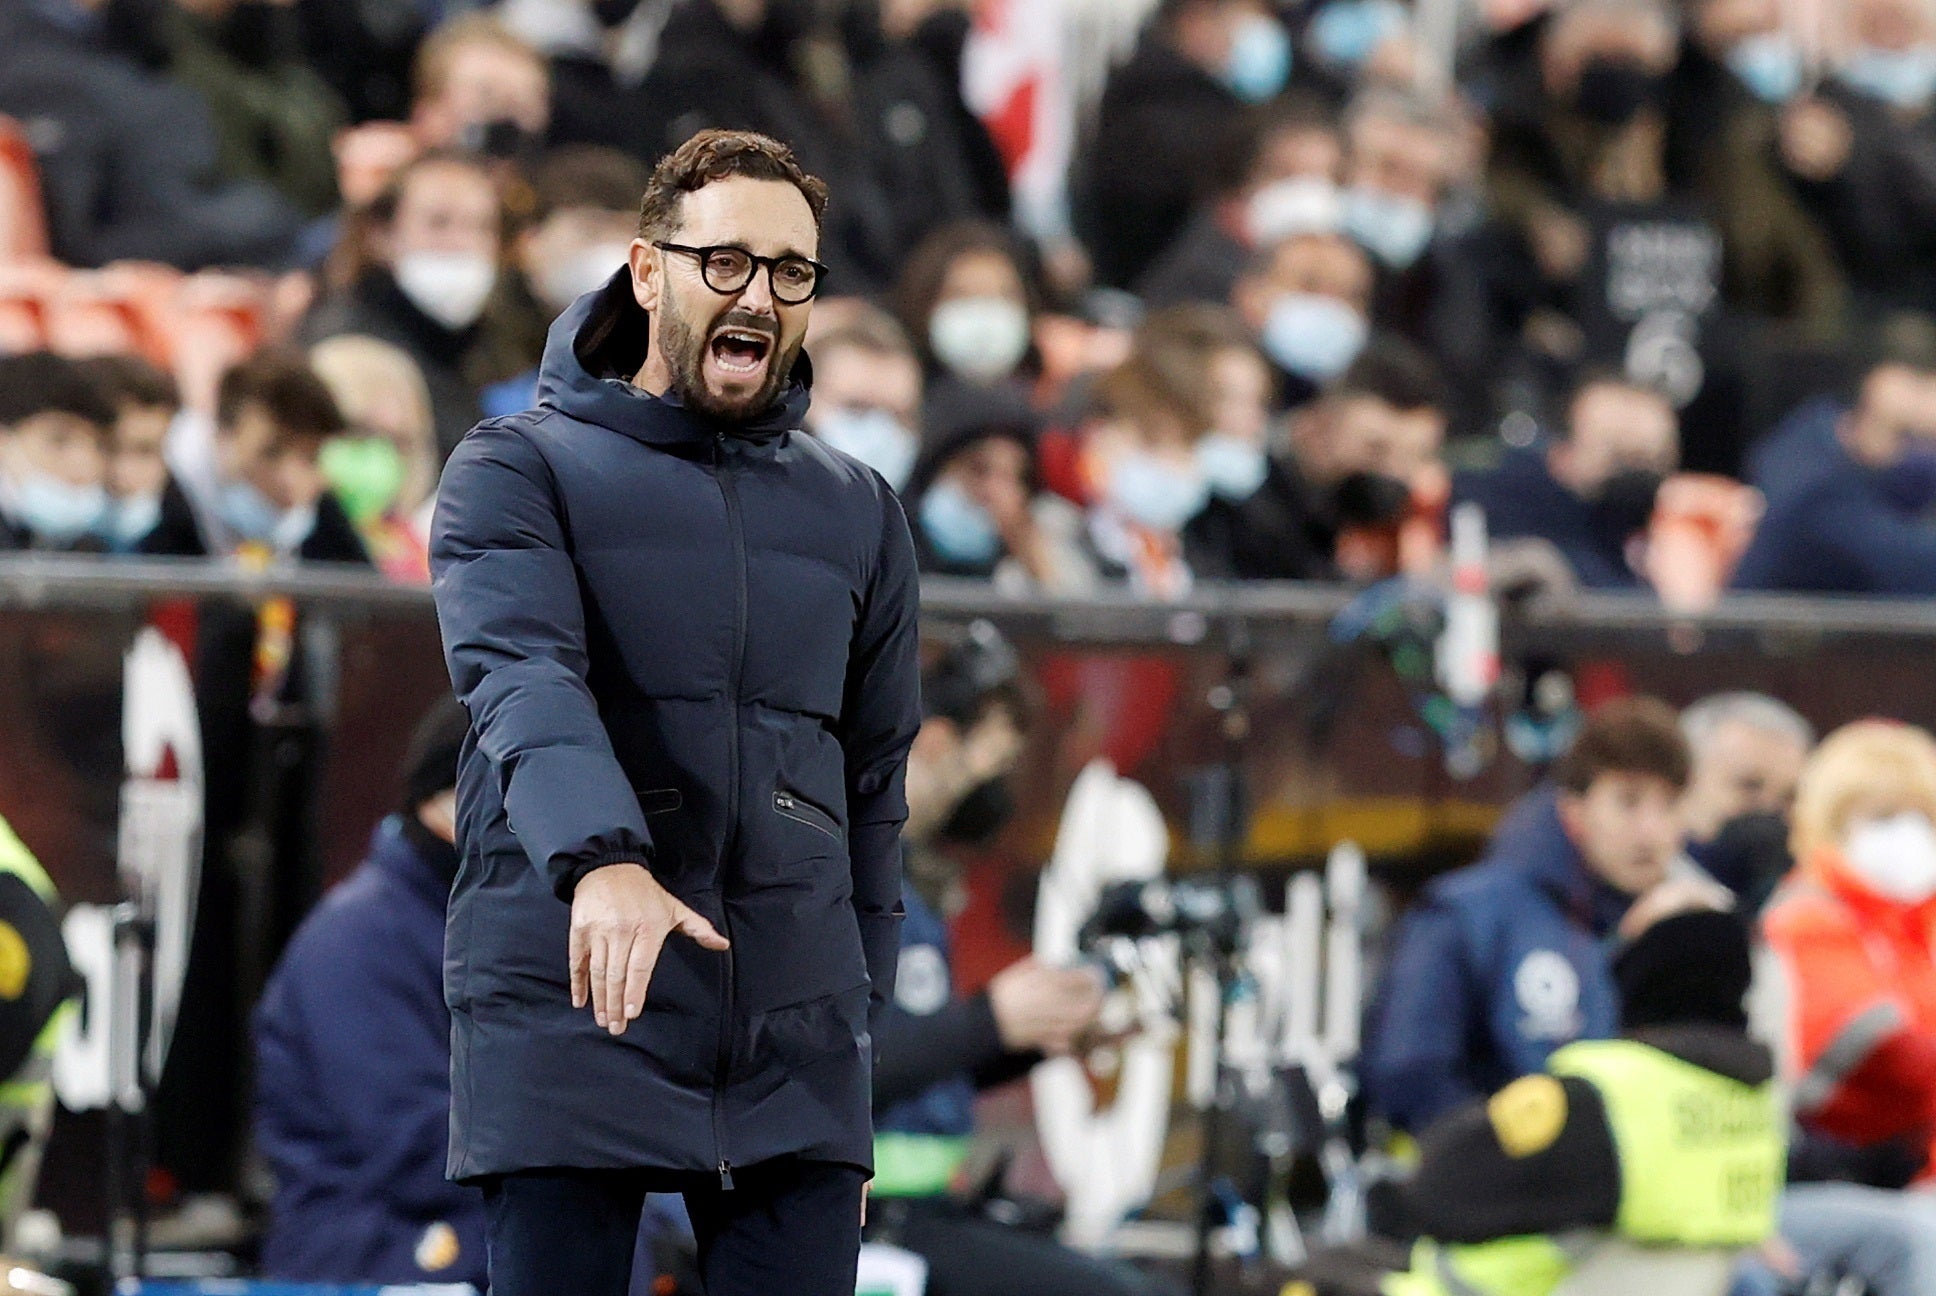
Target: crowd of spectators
{"type": "Point", "coordinates": [1312, 272]}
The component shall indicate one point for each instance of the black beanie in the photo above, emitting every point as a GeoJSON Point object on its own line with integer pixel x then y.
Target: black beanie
{"type": "Point", "coordinates": [430, 766]}
{"type": "Point", "coordinates": [1686, 970]}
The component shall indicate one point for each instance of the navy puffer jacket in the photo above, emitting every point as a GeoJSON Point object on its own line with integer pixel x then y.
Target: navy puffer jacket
{"type": "Point", "coordinates": [691, 644]}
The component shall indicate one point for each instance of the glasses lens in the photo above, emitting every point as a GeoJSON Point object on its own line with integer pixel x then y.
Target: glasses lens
{"type": "Point", "coordinates": [728, 269]}
{"type": "Point", "coordinates": [794, 279]}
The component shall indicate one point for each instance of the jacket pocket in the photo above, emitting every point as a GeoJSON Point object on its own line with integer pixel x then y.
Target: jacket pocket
{"type": "Point", "coordinates": [658, 800]}
{"type": "Point", "coordinates": [792, 807]}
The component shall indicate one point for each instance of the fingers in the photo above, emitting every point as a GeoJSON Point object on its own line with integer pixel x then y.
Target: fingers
{"type": "Point", "coordinates": [576, 956]}
{"type": "Point", "coordinates": [696, 928]}
{"type": "Point", "coordinates": [638, 976]}
{"type": "Point", "coordinates": [618, 954]}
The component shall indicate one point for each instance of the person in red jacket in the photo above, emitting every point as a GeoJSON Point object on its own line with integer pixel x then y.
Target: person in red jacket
{"type": "Point", "coordinates": [1855, 928]}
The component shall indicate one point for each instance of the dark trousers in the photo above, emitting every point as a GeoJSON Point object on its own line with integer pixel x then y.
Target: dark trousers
{"type": "Point", "coordinates": [787, 1226]}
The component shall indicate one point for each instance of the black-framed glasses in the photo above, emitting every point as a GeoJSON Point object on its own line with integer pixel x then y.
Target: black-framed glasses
{"type": "Point", "coordinates": [728, 269]}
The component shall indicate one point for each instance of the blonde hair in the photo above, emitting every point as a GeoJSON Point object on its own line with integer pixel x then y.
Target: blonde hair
{"type": "Point", "coordinates": [439, 50]}
{"type": "Point", "coordinates": [366, 375]}
{"type": "Point", "coordinates": [1868, 763]}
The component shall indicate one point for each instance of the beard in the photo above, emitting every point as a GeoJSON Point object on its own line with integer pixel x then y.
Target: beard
{"type": "Point", "coordinates": [685, 351]}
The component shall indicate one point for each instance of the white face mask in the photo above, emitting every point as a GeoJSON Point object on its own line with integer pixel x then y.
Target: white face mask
{"type": "Point", "coordinates": [560, 283]}
{"type": "Point", "coordinates": [1895, 857]}
{"type": "Point", "coordinates": [979, 338]}
{"type": "Point", "coordinates": [450, 287]}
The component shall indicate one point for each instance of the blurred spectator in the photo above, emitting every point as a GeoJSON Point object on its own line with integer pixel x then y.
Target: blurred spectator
{"type": "Point", "coordinates": [938, 1050]}
{"type": "Point", "coordinates": [129, 160]}
{"type": "Point", "coordinates": [1360, 43]}
{"type": "Point", "coordinates": [1853, 935]}
{"type": "Point", "coordinates": [54, 429]}
{"type": "Point", "coordinates": [977, 509]}
{"type": "Point", "coordinates": [585, 203]}
{"type": "Point", "coordinates": [1307, 298]}
{"type": "Point", "coordinates": [1529, 925]}
{"type": "Point", "coordinates": [1862, 152]}
{"type": "Point", "coordinates": [364, 48]}
{"type": "Point", "coordinates": [1198, 64]}
{"type": "Point", "coordinates": [1747, 751]}
{"type": "Point", "coordinates": [274, 116]}
{"type": "Point", "coordinates": [384, 469]}
{"type": "Point", "coordinates": [352, 1039]}
{"type": "Point", "coordinates": [1590, 493]}
{"type": "Point", "coordinates": [1365, 465]}
{"type": "Point", "coordinates": [148, 512]}
{"type": "Point", "coordinates": [1292, 153]}
{"type": "Point", "coordinates": [268, 498]}
{"type": "Point", "coordinates": [1849, 489]}
{"type": "Point", "coordinates": [965, 300]}
{"type": "Point", "coordinates": [420, 263]}
{"type": "Point", "coordinates": [867, 392]}
{"type": "Point", "coordinates": [1399, 157]}
{"type": "Point", "coordinates": [478, 89]}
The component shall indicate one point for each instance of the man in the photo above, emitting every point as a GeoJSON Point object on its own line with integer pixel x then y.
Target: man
{"type": "Point", "coordinates": [437, 236]}
{"type": "Point", "coordinates": [1527, 925]}
{"type": "Point", "coordinates": [1747, 751]}
{"type": "Point", "coordinates": [148, 512]}
{"type": "Point", "coordinates": [868, 391]}
{"type": "Point", "coordinates": [479, 89]}
{"type": "Point", "coordinates": [1848, 485]}
{"type": "Point", "coordinates": [353, 1058]}
{"type": "Point", "coordinates": [1591, 491]}
{"type": "Point", "coordinates": [54, 428]}
{"type": "Point", "coordinates": [1307, 299]}
{"type": "Point", "coordinates": [660, 602]}
{"type": "Point", "coordinates": [938, 1050]}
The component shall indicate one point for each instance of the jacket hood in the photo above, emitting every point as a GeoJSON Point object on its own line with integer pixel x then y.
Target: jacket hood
{"type": "Point", "coordinates": [599, 343]}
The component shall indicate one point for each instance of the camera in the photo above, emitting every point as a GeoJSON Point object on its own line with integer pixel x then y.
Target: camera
{"type": "Point", "coordinates": [1217, 911]}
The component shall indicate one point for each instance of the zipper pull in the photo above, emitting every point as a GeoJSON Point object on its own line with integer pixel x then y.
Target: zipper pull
{"type": "Point", "coordinates": [784, 801]}
{"type": "Point", "coordinates": [725, 1176]}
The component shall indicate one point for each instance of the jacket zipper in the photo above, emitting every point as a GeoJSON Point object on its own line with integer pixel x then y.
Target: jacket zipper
{"type": "Point", "coordinates": [792, 807]}
{"type": "Point", "coordinates": [736, 532]}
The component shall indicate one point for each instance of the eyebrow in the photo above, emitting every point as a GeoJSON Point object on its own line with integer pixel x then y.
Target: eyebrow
{"type": "Point", "coordinates": [740, 246]}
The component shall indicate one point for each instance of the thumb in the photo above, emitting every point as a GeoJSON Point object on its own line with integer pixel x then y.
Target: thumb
{"type": "Point", "coordinates": [696, 928]}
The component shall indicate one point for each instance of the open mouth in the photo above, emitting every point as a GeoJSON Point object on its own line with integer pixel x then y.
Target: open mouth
{"type": "Point", "coordinates": [741, 351]}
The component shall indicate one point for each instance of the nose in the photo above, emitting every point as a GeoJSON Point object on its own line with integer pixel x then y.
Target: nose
{"type": "Point", "coordinates": [757, 296]}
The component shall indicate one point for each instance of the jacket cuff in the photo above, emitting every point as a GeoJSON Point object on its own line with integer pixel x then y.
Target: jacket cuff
{"type": "Point", "coordinates": [568, 880]}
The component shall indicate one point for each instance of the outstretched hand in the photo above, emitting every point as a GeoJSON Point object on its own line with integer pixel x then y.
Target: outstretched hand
{"type": "Point", "coordinates": [620, 918]}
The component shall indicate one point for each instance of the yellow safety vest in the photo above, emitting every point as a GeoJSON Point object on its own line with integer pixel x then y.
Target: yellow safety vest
{"type": "Point", "coordinates": [1701, 1165]}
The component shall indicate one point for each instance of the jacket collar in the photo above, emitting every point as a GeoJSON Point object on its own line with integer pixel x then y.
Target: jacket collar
{"type": "Point", "coordinates": [596, 346]}
{"type": "Point", "coordinates": [1534, 841]}
{"type": "Point", "coordinates": [425, 868]}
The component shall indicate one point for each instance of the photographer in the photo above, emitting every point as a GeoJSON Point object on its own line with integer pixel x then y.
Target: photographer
{"type": "Point", "coordinates": [936, 1050]}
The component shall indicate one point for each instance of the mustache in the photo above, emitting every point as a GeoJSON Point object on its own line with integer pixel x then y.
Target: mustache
{"type": "Point", "coordinates": [742, 319]}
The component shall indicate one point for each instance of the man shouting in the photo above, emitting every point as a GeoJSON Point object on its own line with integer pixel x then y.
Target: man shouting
{"type": "Point", "coordinates": [685, 634]}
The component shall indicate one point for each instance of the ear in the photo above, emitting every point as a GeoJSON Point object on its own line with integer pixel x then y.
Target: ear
{"type": "Point", "coordinates": [648, 275]}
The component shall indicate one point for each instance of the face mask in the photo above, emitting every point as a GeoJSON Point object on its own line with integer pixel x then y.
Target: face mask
{"type": "Point", "coordinates": [1347, 32]}
{"type": "Point", "coordinates": [874, 437]}
{"type": "Point", "coordinates": [1151, 492]}
{"type": "Point", "coordinates": [1625, 502]}
{"type": "Point", "coordinates": [1613, 90]}
{"type": "Point", "coordinates": [979, 338]}
{"type": "Point", "coordinates": [1894, 857]}
{"type": "Point", "coordinates": [1234, 467]}
{"type": "Point", "coordinates": [1748, 855]}
{"type": "Point", "coordinates": [252, 516]}
{"type": "Point", "coordinates": [450, 287]}
{"type": "Point", "coordinates": [366, 473]}
{"type": "Point", "coordinates": [1314, 337]}
{"type": "Point", "coordinates": [1370, 499]}
{"type": "Point", "coordinates": [981, 815]}
{"type": "Point", "coordinates": [1910, 482]}
{"type": "Point", "coordinates": [561, 283]}
{"type": "Point", "coordinates": [1902, 78]}
{"type": "Point", "coordinates": [959, 529]}
{"type": "Point", "coordinates": [57, 512]}
{"type": "Point", "coordinates": [1286, 207]}
{"type": "Point", "coordinates": [1391, 227]}
{"type": "Point", "coordinates": [1769, 64]}
{"type": "Point", "coordinates": [129, 520]}
{"type": "Point", "coordinates": [1260, 59]}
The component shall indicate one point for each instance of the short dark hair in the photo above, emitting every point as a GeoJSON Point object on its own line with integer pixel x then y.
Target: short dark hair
{"type": "Point", "coordinates": [129, 380]}
{"type": "Point", "coordinates": [287, 389]}
{"type": "Point", "coordinates": [40, 382]}
{"type": "Point", "coordinates": [1631, 735]}
{"type": "Point", "coordinates": [586, 175]}
{"type": "Point", "coordinates": [718, 155]}
{"type": "Point", "coordinates": [1394, 371]}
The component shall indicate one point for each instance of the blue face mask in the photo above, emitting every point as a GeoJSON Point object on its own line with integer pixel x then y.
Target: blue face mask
{"type": "Point", "coordinates": [1910, 482]}
{"type": "Point", "coordinates": [57, 512]}
{"type": "Point", "coordinates": [1234, 467]}
{"type": "Point", "coordinates": [1314, 337]}
{"type": "Point", "coordinates": [1153, 493]}
{"type": "Point", "coordinates": [959, 529]}
{"type": "Point", "coordinates": [874, 437]}
{"type": "Point", "coordinates": [1770, 65]}
{"type": "Point", "coordinates": [129, 521]}
{"type": "Point", "coordinates": [1902, 78]}
{"type": "Point", "coordinates": [1391, 227]}
{"type": "Point", "coordinates": [1346, 33]}
{"type": "Point", "coordinates": [248, 512]}
{"type": "Point", "coordinates": [1260, 59]}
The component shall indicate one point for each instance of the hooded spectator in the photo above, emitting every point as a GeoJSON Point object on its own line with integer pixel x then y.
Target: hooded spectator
{"type": "Point", "coordinates": [384, 468]}
{"type": "Point", "coordinates": [866, 389]}
{"type": "Point", "coordinates": [54, 428]}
